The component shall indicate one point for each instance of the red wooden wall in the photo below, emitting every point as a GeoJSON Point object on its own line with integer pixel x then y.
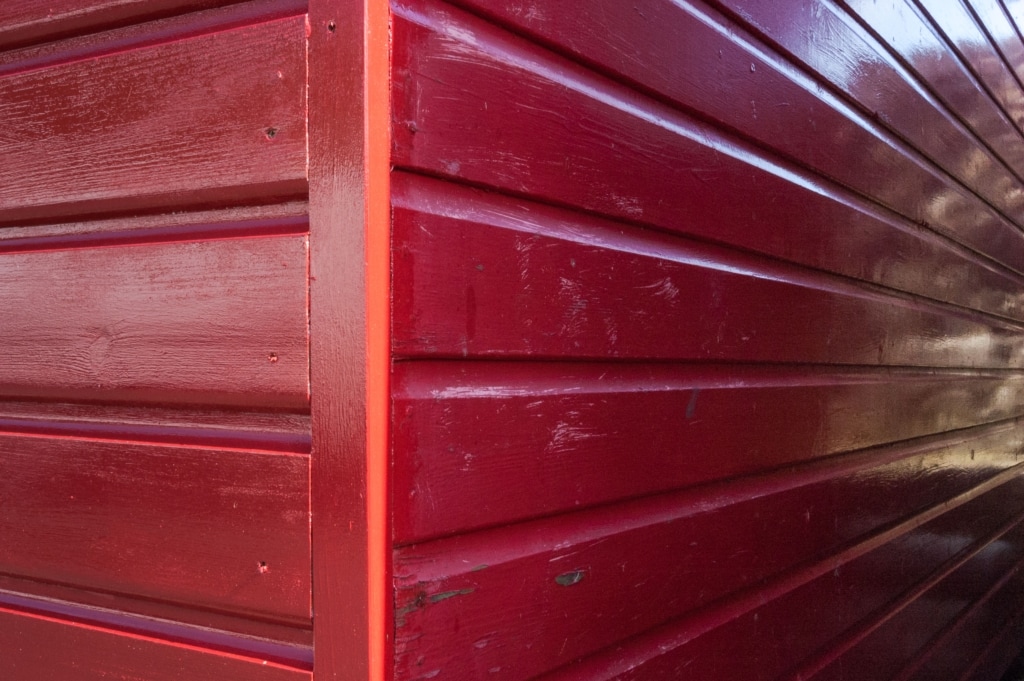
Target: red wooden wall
{"type": "Point", "coordinates": [511, 340]}
{"type": "Point", "coordinates": [708, 343]}
{"type": "Point", "coordinates": [154, 389]}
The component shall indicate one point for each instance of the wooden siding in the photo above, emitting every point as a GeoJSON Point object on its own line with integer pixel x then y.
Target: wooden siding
{"type": "Point", "coordinates": [38, 647]}
{"type": "Point", "coordinates": [37, 20]}
{"type": "Point", "coordinates": [707, 338]}
{"type": "Point", "coordinates": [154, 403]}
{"type": "Point", "coordinates": [100, 139]}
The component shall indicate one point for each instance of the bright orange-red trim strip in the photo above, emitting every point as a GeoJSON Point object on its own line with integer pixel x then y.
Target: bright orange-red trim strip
{"type": "Point", "coordinates": [378, 316]}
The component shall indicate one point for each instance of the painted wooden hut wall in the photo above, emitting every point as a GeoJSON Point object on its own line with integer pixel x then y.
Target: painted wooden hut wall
{"type": "Point", "coordinates": [705, 347]}
{"type": "Point", "coordinates": [154, 380]}
{"type": "Point", "coordinates": [707, 331]}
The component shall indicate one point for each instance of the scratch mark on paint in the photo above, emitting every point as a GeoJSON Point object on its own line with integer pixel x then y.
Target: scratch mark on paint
{"type": "Point", "coordinates": [691, 408]}
{"type": "Point", "coordinates": [565, 436]}
{"type": "Point", "coordinates": [664, 288]}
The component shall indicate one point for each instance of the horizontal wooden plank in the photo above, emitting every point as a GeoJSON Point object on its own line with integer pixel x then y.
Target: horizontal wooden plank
{"type": "Point", "coordinates": [479, 278]}
{"type": "Point", "coordinates": [971, 42]}
{"type": "Point", "coordinates": [470, 438]}
{"type": "Point", "coordinates": [474, 103]}
{"type": "Point", "coordinates": [217, 118]}
{"type": "Point", "coordinates": [998, 26]}
{"type": "Point", "coordinates": [773, 619]}
{"type": "Point", "coordinates": [109, 39]}
{"type": "Point", "coordinates": [894, 86]}
{"type": "Point", "coordinates": [215, 322]}
{"type": "Point", "coordinates": [699, 60]}
{"type": "Point", "coordinates": [213, 529]}
{"type": "Point", "coordinates": [289, 643]}
{"type": "Point", "coordinates": [29, 21]}
{"type": "Point", "coordinates": [235, 222]}
{"type": "Point", "coordinates": [220, 436]}
{"type": "Point", "coordinates": [909, 263]}
{"type": "Point", "coordinates": [866, 652]}
{"type": "Point", "coordinates": [525, 599]}
{"type": "Point", "coordinates": [283, 644]}
{"type": "Point", "coordinates": [925, 52]}
{"type": "Point", "coordinates": [999, 653]}
{"type": "Point", "coordinates": [954, 649]}
{"type": "Point", "coordinates": [39, 417]}
{"type": "Point", "coordinates": [89, 653]}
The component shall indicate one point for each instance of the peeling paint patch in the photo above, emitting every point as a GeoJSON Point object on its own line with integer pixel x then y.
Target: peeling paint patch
{"type": "Point", "coordinates": [445, 595]}
{"type": "Point", "coordinates": [570, 578]}
{"type": "Point", "coordinates": [400, 613]}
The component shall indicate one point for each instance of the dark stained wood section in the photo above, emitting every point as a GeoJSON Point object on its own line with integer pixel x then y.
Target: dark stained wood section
{"type": "Point", "coordinates": [707, 324]}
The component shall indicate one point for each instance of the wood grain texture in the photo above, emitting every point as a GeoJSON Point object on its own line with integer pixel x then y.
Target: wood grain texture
{"type": "Point", "coordinates": [349, 167]}
{"type": "Point", "coordinates": [482, 283]}
{"type": "Point", "coordinates": [697, 59]}
{"type": "Point", "coordinates": [476, 104]}
{"type": "Point", "coordinates": [214, 118]}
{"type": "Point", "coordinates": [212, 529]}
{"type": "Point", "coordinates": [154, 398]}
{"type": "Point", "coordinates": [871, 249]}
{"type": "Point", "coordinates": [215, 322]}
{"type": "Point", "coordinates": [91, 653]}
{"type": "Point", "coordinates": [617, 572]}
{"type": "Point", "coordinates": [836, 594]}
{"type": "Point", "coordinates": [29, 21]}
{"type": "Point", "coordinates": [111, 39]}
{"type": "Point", "coordinates": [483, 445]}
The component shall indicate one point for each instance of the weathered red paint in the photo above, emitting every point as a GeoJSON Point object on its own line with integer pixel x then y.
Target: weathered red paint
{"type": "Point", "coordinates": [394, 340]}
{"type": "Point", "coordinates": [155, 432]}
{"type": "Point", "coordinates": [350, 295]}
{"type": "Point", "coordinates": [678, 381]}
{"type": "Point", "coordinates": [29, 21]}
